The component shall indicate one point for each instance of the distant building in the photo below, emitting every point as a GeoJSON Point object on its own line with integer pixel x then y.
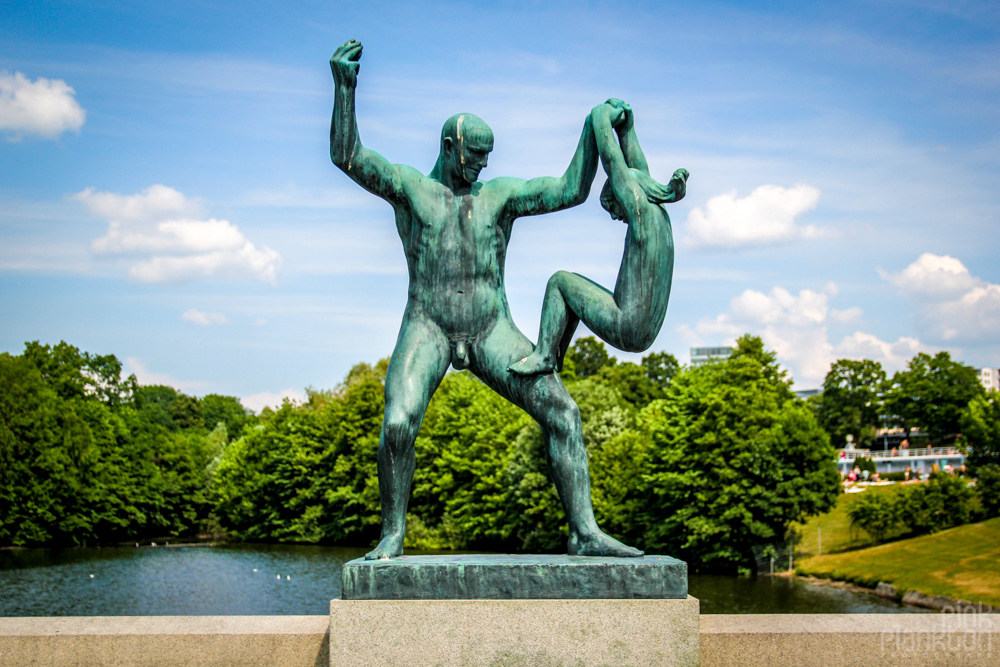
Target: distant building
{"type": "Point", "coordinates": [702, 355]}
{"type": "Point", "coordinates": [990, 377]}
{"type": "Point", "coordinates": [806, 393]}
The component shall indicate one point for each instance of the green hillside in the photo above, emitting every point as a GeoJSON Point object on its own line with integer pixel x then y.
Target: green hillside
{"type": "Point", "coordinates": [834, 527]}
{"type": "Point", "coordinates": [962, 563]}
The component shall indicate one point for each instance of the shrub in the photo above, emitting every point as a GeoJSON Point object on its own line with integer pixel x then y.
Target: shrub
{"type": "Point", "coordinates": [988, 489]}
{"type": "Point", "coordinates": [943, 502]}
{"type": "Point", "coordinates": [876, 514]}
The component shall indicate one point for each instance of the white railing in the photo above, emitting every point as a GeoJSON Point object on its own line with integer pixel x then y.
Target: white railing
{"type": "Point", "coordinates": [941, 452]}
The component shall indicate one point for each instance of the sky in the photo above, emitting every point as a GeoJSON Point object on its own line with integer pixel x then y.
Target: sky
{"type": "Point", "coordinates": [166, 192]}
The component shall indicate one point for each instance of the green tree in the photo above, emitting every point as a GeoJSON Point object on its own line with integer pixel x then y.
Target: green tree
{"type": "Point", "coordinates": [632, 381]}
{"type": "Point", "coordinates": [734, 459]}
{"type": "Point", "coordinates": [79, 463]}
{"type": "Point", "coordinates": [943, 502]}
{"type": "Point", "coordinates": [588, 356]}
{"type": "Point", "coordinates": [875, 513]}
{"type": "Point", "coordinates": [660, 367]}
{"type": "Point", "coordinates": [932, 393]}
{"type": "Point", "coordinates": [988, 489]}
{"type": "Point", "coordinates": [72, 373]}
{"type": "Point", "coordinates": [306, 472]}
{"type": "Point", "coordinates": [217, 409]}
{"type": "Point", "coordinates": [851, 400]}
{"type": "Point", "coordinates": [980, 425]}
{"type": "Point", "coordinates": [463, 452]}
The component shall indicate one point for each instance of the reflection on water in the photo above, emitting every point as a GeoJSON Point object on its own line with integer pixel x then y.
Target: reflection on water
{"type": "Point", "coordinates": [784, 595]}
{"type": "Point", "coordinates": [256, 579]}
{"type": "Point", "coordinates": [223, 580]}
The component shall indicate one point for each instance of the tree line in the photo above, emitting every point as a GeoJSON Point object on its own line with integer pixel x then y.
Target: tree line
{"type": "Point", "coordinates": [935, 395]}
{"type": "Point", "coordinates": [88, 456]}
{"type": "Point", "coordinates": [708, 463]}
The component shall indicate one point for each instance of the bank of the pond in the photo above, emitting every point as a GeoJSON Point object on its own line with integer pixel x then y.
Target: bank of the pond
{"type": "Point", "coordinates": [256, 579]}
{"type": "Point", "coordinates": [962, 564]}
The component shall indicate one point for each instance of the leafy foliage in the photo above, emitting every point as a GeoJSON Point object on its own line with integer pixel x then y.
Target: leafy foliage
{"type": "Point", "coordinates": [851, 400]}
{"type": "Point", "coordinates": [587, 356]}
{"type": "Point", "coordinates": [876, 514]}
{"type": "Point", "coordinates": [943, 502]}
{"type": "Point", "coordinates": [932, 393]}
{"type": "Point", "coordinates": [89, 456]}
{"type": "Point", "coordinates": [980, 424]}
{"type": "Point", "coordinates": [736, 458]}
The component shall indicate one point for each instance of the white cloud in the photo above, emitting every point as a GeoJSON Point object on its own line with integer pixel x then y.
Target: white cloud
{"type": "Point", "coordinates": [795, 327]}
{"type": "Point", "coordinates": [268, 399]}
{"type": "Point", "coordinates": [955, 306]}
{"type": "Point", "coordinates": [204, 319]}
{"type": "Point", "coordinates": [157, 202]}
{"type": "Point", "coordinates": [44, 107]}
{"type": "Point", "coordinates": [163, 223]}
{"type": "Point", "coordinates": [892, 356]}
{"type": "Point", "coordinates": [934, 277]}
{"type": "Point", "coordinates": [767, 216]}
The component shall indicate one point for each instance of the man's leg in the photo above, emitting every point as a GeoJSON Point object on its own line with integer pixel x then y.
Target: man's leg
{"type": "Point", "coordinates": [417, 365]}
{"type": "Point", "coordinates": [545, 398]}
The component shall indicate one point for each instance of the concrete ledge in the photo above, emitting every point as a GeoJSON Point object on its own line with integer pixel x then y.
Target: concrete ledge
{"type": "Point", "coordinates": [166, 640]}
{"type": "Point", "coordinates": [771, 640]}
{"type": "Point", "coordinates": [514, 632]}
{"type": "Point", "coordinates": [850, 639]}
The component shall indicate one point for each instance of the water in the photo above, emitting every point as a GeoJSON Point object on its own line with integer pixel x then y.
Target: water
{"type": "Point", "coordinates": [251, 579]}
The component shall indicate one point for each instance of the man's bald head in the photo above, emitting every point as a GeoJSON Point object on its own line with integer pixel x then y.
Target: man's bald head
{"type": "Point", "coordinates": [466, 142]}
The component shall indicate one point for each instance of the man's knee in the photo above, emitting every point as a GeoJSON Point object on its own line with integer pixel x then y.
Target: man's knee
{"type": "Point", "coordinates": [562, 418]}
{"type": "Point", "coordinates": [400, 425]}
{"type": "Point", "coordinates": [637, 342]}
{"type": "Point", "coordinates": [559, 279]}
{"type": "Point", "coordinates": [635, 332]}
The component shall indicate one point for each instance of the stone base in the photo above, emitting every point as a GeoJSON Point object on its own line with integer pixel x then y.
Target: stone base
{"type": "Point", "coordinates": [514, 577]}
{"type": "Point", "coordinates": [514, 632]}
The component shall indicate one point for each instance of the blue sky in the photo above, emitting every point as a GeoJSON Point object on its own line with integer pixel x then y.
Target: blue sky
{"type": "Point", "coordinates": [166, 193]}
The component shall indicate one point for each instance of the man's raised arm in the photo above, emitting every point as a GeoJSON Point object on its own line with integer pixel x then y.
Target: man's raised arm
{"type": "Point", "coordinates": [547, 194]}
{"type": "Point", "coordinates": [365, 167]}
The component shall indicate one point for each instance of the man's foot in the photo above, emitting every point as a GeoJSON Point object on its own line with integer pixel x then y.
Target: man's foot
{"type": "Point", "coordinates": [599, 544]}
{"type": "Point", "coordinates": [390, 547]}
{"type": "Point", "coordinates": [533, 364]}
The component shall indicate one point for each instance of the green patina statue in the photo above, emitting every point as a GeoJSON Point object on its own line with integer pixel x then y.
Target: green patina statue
{"type": "Point", "coordinates": [455, 229]}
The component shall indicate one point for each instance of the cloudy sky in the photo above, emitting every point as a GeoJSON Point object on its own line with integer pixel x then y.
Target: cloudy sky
{"type": "Point", "coordinates": [166, 193]}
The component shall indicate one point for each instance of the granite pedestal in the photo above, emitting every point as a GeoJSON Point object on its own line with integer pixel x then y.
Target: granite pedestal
{"type": "Point", "coordinates": [515, 610]}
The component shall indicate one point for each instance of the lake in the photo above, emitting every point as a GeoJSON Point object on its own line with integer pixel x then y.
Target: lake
{"type": "Point", "coordinates": [261, 579]}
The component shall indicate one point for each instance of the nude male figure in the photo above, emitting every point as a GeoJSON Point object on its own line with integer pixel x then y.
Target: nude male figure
{"type": "Point", "coordinates": [455, 229]}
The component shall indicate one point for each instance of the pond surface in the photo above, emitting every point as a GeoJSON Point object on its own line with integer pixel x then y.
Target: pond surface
{"type": "Point", "coordinates": [256, 579]}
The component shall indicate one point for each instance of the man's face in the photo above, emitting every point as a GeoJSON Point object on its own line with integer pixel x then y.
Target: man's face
{"type": "Point", "coordinates": [472, 158]}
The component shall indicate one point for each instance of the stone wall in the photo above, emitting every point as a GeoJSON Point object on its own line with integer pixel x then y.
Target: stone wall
{"type": "Point", "coordinates": [771, 640]}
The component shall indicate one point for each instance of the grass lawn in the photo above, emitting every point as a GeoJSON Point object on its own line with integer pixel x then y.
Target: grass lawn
{"type": "Point", "coordinates": [835, 527]}
{"type": "Point", "coordinates": [962, 563]}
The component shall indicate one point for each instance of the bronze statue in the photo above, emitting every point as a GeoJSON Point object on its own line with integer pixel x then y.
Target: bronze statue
{"type": "Point", "coordinates": [455, 229]}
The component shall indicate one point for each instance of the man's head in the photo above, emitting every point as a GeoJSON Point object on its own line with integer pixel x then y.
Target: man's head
{"type": "Point", "coordinates": [466, 142]}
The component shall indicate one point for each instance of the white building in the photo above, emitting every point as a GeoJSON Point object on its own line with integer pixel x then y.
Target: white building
{"type": "Point", "coordinates": [703, 355]}
{"type": "Point", "coordinates": [990, 377]}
